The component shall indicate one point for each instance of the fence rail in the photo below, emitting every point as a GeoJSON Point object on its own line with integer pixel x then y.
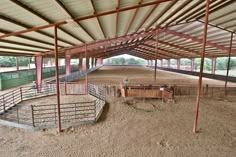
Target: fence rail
{"type": "Point", "coordinates": [46, 115]}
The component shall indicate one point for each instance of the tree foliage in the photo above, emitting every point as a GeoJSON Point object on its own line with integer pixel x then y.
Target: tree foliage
{"type": "Point", "coordinates": [10, 61]}
{"type": "Point", "coordinates": [123, 61]}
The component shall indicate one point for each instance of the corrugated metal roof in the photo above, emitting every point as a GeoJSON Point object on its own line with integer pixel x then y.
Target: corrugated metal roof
{"type": "Point", "coordinates": [183, 19]}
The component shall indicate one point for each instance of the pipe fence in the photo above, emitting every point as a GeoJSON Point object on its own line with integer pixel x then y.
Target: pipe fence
{"type": "Point", "coordinates": [45, 115]}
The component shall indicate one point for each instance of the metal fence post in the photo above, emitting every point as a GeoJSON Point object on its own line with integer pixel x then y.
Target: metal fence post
{"type": "Point", "coordinates": [17, 114]}
{"type": "Point", "coordinates": [13, 99]}
{"type": "Point", "coordinates": [32, 113]}
{"type": "Point", "coordinates": [3, 102]}
{"type": "Point", "coordinates": [21, 94]}
{"type": "Point", "coordinates": [95, 110]}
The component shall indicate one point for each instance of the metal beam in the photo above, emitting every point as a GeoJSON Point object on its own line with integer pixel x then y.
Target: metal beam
{"type": "Point", "coordinates": [132, 20]}
{"type": "Point", "coordinates": [99, 23]}
{"type": "Point", "coordinates": [117, 17]}
{"type": "Point", "coordinates": [204, 43]}
{"type": "Point", "coordinates": [28, 27]}
{"type": "Point", "coordinates": [23, 44]}
{"type": "Point", "coordinates": [57, 81]}
{"type": "Point", "coordinates": [198, 40]}
{"type": "Point", "coordinates": [184, 13]}
{"type": "Point", "coordinates": [84, 17]}
{"type": "Point", "coordinates": [217, 8]}
{"type": "Point", "coordinates": [162, 13]}
{"type": "Point", "coordinates": [145, 19]}
{"type": "Point", "coordinates": [173, 13]}
{"type": "Point", "coordinates": [28, 38]}
{"type": "Point", "coordinates": [42, 17]}
{"type": "Point", "coordinates": [228, 65]}
{"type": "Point", "coordinates": [72, 17]}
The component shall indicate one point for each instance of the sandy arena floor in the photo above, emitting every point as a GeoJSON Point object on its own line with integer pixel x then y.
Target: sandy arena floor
{"type": "Point", "coordinates": [113, 75]}
{"type": "Point", "coordinates": [136, 127]}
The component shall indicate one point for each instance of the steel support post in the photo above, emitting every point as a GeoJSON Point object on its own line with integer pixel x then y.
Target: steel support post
{"type": "Point", "coordinates": [100, 61]}
{"type": "Point", "coordinates": [155, 75]}
{"type": "Point", "coordinates": [213, 65]}
{"type": "Point", "coordinates": [228, 66]}
{"type": "Point", "coordinates": [192, 65]}
{"type": "Point", "coordinates": [178, 64]}
{"type": "Point", "coordinates": [86, 75]}
{"type": "Point", "coordinates": [57, 79]}
{"type": "Point", "coordinates": [201, 66]}
{"type": "Point", "coordinates": [168, 61]}
{"type": "Point", "coordinates": [39, 68]}
{"type": "Point", "coordinates": [92, 62]}
{"type": "Point", "coordinates": [67, 60]}
{"type": "Point", "coordinates": [17, 63]}
{"type": "Point", "coordinates": [80, 62]}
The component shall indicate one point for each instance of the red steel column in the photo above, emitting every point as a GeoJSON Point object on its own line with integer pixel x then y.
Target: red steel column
{"type": "Point", "coordinates": [156, 50]}
{"type": "Point", "coordinates": [67, 64]}
{"type": "Point", "coordinates": [178, 63]}
{"type": "Point", "coordinates": [213, 65]}
{"type": "Point", "coordinates": [227, 74]}
{"type": "Point", "coordinates": [92, 63]}
{"type": "Point", "coordinates": [100, 61]}
{"type": "Point", "coordinates": [57, 80]}
{"type": "Point", "coordinates": [192, 64]}
{"type": "Point", "coordinates": [17, 63]}
{"type": "Point", "coordinates": [201, 66]}
{"type": "Point", "coordinates": [39, 68]}
{"type": "Point", "coordinates": [96, 61]}
{"type": "Point", "coordinates": [86, 70]}
{"type": "Point", "coordinates": [80, 62]}
{"type": "Point", "coordinates": [168, 62]}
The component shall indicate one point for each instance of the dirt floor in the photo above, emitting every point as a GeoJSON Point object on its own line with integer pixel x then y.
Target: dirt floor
{"type": "Point", "coordinates": [136, 127]}
{"type": "Point", "coordinates": [113, 75]}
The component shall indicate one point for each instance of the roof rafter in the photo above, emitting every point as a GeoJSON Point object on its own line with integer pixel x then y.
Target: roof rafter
{"type": "Point", "coordinates": [23, 44]}
{"type": "Point", "coordinates": [164, 50]}
{"type": "Point", "coordinates": [99, 22]}
{"type": "Point", "coordinates": [72, 17]}
{"type": "Point", "coordinates": [145, 19]}
{"type": "Point", "coordinates": [215, 9]}
{"type": "Point", "coordinates": [198, 40]}
{"type": "Point", "coordinates": [183, 13]}
{"type": "Point", "coordinates": [176, 46]}
{"type": "Point", "coordinates": [162, 13]}
{"type": "Point", "coordinates": [42, 17]}
{"type": "Point", "coordinates": [152, 53]}
{"type": "Point", "coordinates": [28, 38]}
{"type": "Point", "coordinates": [132, 20]}
{"type": "Point", "coordinates": [174, 12]}
{"type": "Point", "coordinates": [27, 27]}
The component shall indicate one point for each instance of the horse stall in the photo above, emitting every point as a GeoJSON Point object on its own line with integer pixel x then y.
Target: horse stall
{"type": "Point", "coordinates": [148, 91]}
